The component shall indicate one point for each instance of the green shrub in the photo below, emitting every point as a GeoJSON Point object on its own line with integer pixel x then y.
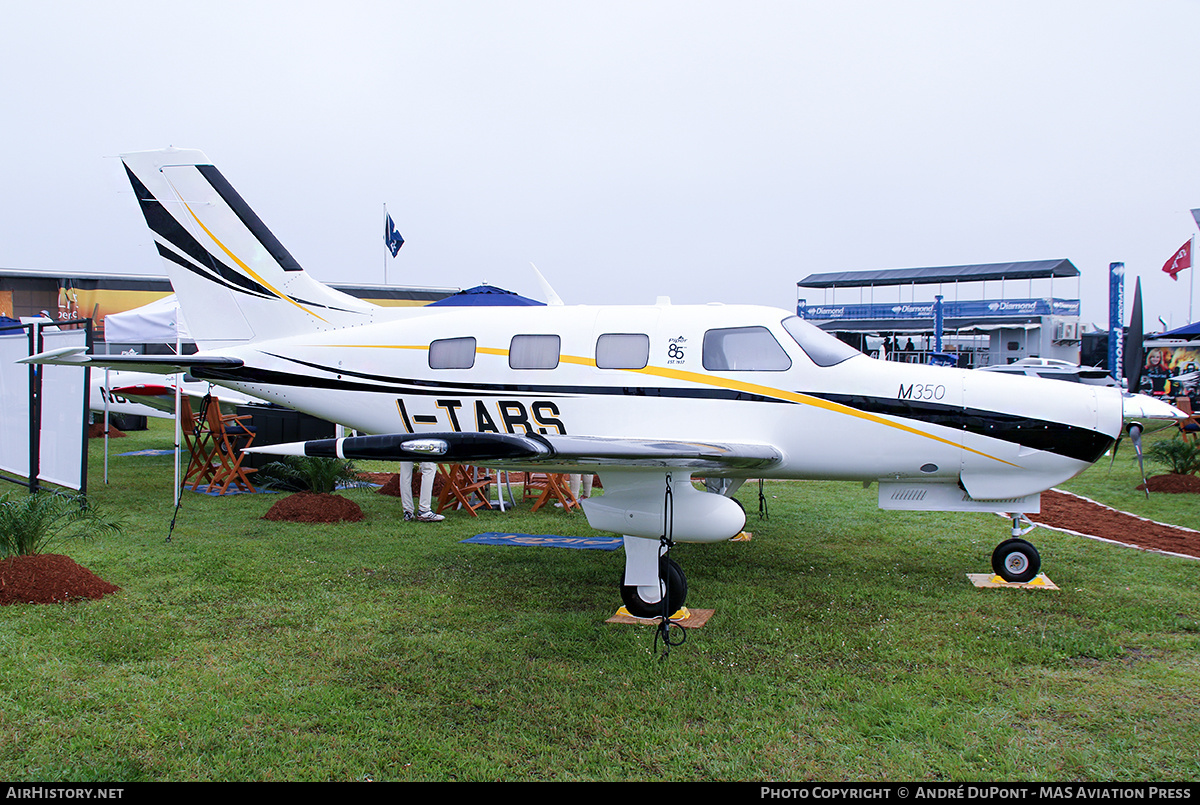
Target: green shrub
{"type": "Point", "coordinates": [308, 474]}
{"type": "Point", "coordinates": [30, 524]}
{"type": "Point", "coordinates": [1180, 455]}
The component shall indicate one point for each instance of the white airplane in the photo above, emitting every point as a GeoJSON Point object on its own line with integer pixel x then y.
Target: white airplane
{"type": "Point", "coordinates": [647, 396]}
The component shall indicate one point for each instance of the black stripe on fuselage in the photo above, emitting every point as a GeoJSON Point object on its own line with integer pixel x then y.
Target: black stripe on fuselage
{"type": "Point", "coordinates": [1082, 444]}
{"type": "Point", "coordinates": [427, 388]}
{"type": "Point", "coordinates": [1072, 441]}
{"type": "Point", "coordinates": [431, 387]}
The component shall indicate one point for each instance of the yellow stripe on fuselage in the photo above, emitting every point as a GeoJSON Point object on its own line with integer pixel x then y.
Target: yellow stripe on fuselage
{"type": "Point", "coordinates": [732, 385]}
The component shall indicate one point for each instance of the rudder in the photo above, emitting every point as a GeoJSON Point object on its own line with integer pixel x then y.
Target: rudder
{"type": "Point", "coordinates": [234, 280]}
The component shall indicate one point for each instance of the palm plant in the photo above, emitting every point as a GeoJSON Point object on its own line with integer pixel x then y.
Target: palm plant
{"type": "Point", "coordinates": [308, 474]}
{"type": "Point", "coordinates": [30, 524]}
{"type": "Point", "coordinates": [1181, 456]}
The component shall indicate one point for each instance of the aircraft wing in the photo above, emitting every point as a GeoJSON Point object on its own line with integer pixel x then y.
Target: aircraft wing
{"type": "Point", "coordinates": [560, 452]}
{"type": "Point", "coordinates": [157, 364]}
{"type": "Point", "coordinates": [1144, 406]}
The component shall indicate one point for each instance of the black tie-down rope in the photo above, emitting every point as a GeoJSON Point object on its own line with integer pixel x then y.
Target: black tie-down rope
{"type": "Point", "coordinates": [664, 625]}
{"type": "Point", "coordinates": [195, 440]}
{"type": "Point", "coordinates": [762, 502]}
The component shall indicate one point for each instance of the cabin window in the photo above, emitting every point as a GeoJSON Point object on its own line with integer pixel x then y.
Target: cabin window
{"type": "Point", "coordinates": [452, 353]}
{"type": "Point", "coordinates": [533, 352]}
{"type": "Point", "coordinates": [821, 347]}
{"type": "Point", "coordinates": [744, 349]}
{"type": "Point", "coordinates": [622, 351]}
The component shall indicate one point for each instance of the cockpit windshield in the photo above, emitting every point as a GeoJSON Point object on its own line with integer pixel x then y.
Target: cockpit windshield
{"type": "Point", "coordinates": [823, 348]}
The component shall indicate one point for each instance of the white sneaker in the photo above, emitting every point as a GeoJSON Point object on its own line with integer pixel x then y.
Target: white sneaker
{"type": "Point", "coordinates": [430, 517]}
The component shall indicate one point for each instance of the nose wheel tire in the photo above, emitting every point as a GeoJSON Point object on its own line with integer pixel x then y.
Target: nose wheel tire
{"type": "Point", "coordinates": [1016, 561]}
{"type": "Point", "coordinates": [675, 592]}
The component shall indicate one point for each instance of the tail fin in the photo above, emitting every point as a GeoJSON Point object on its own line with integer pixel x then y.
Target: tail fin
{"type": "Point", "coordinates": [235, 281]}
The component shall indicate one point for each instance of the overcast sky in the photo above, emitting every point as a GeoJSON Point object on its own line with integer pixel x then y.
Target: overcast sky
{"type": "Point", "coordinates": [705, 151]}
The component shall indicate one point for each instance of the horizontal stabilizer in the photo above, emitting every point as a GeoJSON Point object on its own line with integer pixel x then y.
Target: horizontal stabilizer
{"type": "Point", "coordinates": [510, 449]}
{"type": "Point", "coordinates": [156, 364]}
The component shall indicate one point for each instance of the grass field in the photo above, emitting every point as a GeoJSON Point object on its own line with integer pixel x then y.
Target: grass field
{"type": "Point", "coordinates": [847, 644]}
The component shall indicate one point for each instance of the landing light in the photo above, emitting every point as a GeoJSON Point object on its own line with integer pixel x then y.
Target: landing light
{"type": "Point", "coordinates": [433, 447]}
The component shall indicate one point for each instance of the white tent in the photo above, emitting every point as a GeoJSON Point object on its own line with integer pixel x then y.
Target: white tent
{"type": "Point", "coordinates": [159, 322]}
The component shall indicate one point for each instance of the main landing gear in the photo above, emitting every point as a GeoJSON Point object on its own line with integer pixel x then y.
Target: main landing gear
{"type": "Point", "coordinates": [670, 597]}
{"type": "Point", "coordinates": [653, 509]}
{"type": "Point", "coordinates": [1016, 560]}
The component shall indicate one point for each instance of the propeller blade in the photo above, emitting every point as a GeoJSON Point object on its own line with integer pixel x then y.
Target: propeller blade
{"type": "Point", "coordinates": [1135, 435]}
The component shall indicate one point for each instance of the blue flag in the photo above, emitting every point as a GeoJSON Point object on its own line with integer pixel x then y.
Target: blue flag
{"type": "Point", "coordinates": [391, 237]}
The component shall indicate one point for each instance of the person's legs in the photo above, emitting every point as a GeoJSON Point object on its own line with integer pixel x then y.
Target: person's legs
{"type": "Point", "coordinates": [406, 495]}
{"type": "Point", "coordinates": [426, 513]}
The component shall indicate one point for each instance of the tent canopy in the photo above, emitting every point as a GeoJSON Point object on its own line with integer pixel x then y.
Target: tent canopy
{"type": "Point", "coordinates": [482, 295]}
{"type": "Point", "coordinates": [1035, 269]}
{"type": "Point", "coordinates": [159, 322]}
{"type": "Point", "coordinates": [1187, 331]}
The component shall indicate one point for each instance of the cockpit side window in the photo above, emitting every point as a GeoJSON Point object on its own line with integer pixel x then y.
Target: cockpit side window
{"type": "Point", "coordinates": [744, 349]}
{"type": "Point", "coordinates": [821, 347]}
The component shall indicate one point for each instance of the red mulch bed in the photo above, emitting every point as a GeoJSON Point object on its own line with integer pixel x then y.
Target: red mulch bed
{"type": "Point", "coordinates": [1174, 484]}
{"type": "Point", "coordinates": [48, 578]}
{"type": "Point", "coordinates": [1071, 513]}
{"type": "Point", "coordinates": [96, 430]}
{"type": "Point", "coordinates": [315, 507]}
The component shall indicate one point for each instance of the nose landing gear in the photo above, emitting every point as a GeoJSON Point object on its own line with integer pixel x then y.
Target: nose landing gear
{"type": "Point", "coordinates": [1016, 560]}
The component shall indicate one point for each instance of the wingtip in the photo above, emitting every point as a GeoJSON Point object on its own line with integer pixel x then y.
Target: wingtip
{"type": "Point", "coordinates": [1143, 406]}
{"type": "Point", "coordinates": [63, 355]}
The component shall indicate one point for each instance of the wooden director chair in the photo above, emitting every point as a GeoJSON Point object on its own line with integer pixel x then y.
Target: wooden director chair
{"type": "Point", "coordinates": [200, 446]}
{"type": "Point", "coordinates": [1189, 428]}
{"type": "Point", "coordinates": [230, 435]}
{"type": "Point", "coordinates": [215, 442]}
{"type": "Point", "coordinates": [463, 487]}
{"type": "Point", "coordinates": [548, 487]}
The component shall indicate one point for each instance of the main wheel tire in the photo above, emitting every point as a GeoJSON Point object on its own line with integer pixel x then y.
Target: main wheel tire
{"type": "Point", "coordinates": [1016, 561]}
{"type": "Point", "coordinates": [675, 593]}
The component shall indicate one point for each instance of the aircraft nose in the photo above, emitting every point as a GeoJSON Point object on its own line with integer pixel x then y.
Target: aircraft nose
{"type": "Point", "coordinates": [1073, 420]}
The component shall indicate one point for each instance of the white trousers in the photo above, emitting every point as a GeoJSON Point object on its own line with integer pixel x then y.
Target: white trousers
{"type": "Point", "coordinates": [574, 480]}
{"type": "Point", "coordinates": [428, 470]}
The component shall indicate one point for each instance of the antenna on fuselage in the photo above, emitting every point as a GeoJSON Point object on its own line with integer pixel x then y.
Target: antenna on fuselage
{"type": "Point", "coordinates": [551, 297]}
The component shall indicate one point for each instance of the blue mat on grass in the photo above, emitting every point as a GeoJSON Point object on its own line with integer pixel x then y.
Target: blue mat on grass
{"type": "Point", "coordinates": [148, 453]}
{"type": "Point", "coordinates": [233, 490]}
{"type": "Point", "coordinates": [547, 541]}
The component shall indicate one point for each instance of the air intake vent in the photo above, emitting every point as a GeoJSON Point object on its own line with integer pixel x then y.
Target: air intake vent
{"type": "Point", "coordinates": [909, 494]}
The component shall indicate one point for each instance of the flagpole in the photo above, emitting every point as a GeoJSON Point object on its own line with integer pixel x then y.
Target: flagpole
{"type": "Point", "coordinates": [385, 248]}
{"type": "Point", "coordinates": [1191, 282]}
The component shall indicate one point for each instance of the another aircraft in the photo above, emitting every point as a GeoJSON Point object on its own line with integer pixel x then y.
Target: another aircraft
{"type": "Point", "coordinates": [1055, 370]}
{"type": "Point", "coordinates": [149, 394]}
{"type": "Point", "coordinates": [647, 396]}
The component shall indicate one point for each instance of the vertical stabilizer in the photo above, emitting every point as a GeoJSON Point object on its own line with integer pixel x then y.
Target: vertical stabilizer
{"type": "Point", "coordinates": [235, 281]}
